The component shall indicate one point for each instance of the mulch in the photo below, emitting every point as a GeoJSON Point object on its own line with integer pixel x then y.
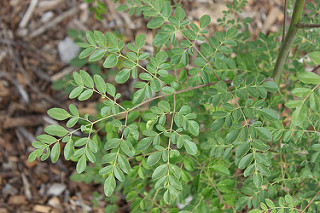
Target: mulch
{"type": "Point", "coordinates": [29, 65]}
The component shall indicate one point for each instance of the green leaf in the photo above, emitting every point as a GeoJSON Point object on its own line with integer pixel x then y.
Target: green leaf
{"type": "Point", "coordinates": [314, 102]}
{"type": "Point", "coordinates": [179, 13]}
{"type": "Point", "coordinates": [271, 86]}
{"type": "Point", "coordinates": [293, 103]}
{"type": "Point", "coordinates": [118, 174]}
{"type": "Point", "coordinates": [260, 145]}
{"type": "Point", "coordinates": [309, 77]}
{"type": "Point", "coordinates": [122, 76]}
{"type": "Point", "coordinates": [77, 78]}
{"type": "Point", "coordinates": [58, 114]}
{"type": "Point", "coordinates": [217, 125]}
{"type": "Point", "coordinates": [204, 21]}
{"type": "Point", "coordinates": [299, 115]}
{"type": "Point", "coordinates": [97, 55]}
{"type": "Point", "coordinates": [73, 109]}
{"type": "Point", "coordinates": [69, 150]}
{"type": "Point", "coordinates": [264, 133]}
{"type": "Point", "coordinates": [124, 164]}
{"type": "Point", "coordinates": [300, 92]}
{"type": "Point", "coordinates": [127, 148]}
{"type": "Point", "coordinates": [86, 52]}
{"type": "Point", "coordinates": [112, 143]}
{"type": "Point", "coordinates": [245, 161]}
{"type": "Point", "coordinates": [161, 38]}
{"type": "Point", "coordinates": [232, 135]}
{"type": "Point", "coordinates": [139, 96]}
{"type": "Point", "coordinates": [35, 154]}
{"type": "Point", "coordinates": [85, 95]}
{"type": "Point", "coordinates": [315, 57]}
{"type": "Point", "coordinates": [242, 149]}
{"type": "Point", "coordinates": [316, 147]}
{"type": "Point", "coordinates": [90, 37]}
{"type": "Point", "coordinates": [110, 61]}
{"type": "Point", "coordinates": [109, 185]}
{"type": "Point", "coordinates": [221, 169]}
{"type": "Point", "coordinates": [56, 130]}
{"type": "Point", "coordinates": [270, 203]}
{"type": "Point", "coordinates": [91, 157]}
{"type": "Point", "coordinates": [100, 39]}
{"type": "Point", "coordinates": [140, 40]}
{"type": "Point", "coordinates": [270, 114]}
{"type": "Point", "coordinates": [165, 106]}
{"type": "Point", "coordinates": [111, 90]}
{"type": "Point", "coordinates": [81, 165]}
{"type": "Point", "coordinates": [55, 152]}
{"type": "Point", "coordinates": [87, 80]}
{"type": "Point", "coordinates": [112, 40]}
{"type": "Point", "coordinates": [106, 170]}
{"type": "Point", "coordinates": [190, 147]}
{"type": "Point", "coordinates": [240, 203]}
{"type": "Point", "coordinates": [155, 23]}
{"type": "Point", "coordinates": [122, 7]}
{"type": "Point", "coordinates": [167, 90]}
{"type": "Point", "coordinates": [75, 92]}
{"type": "Point", "coordinates": [100, 84]}
{"type": "Point", "coordinates": [144, 143]}
{"type": "Point", "coordinates": [166, 9]}
{"type": "Point", "coordinates": [193, 128]}
{"type": "Point", "coordinates": [153, 158]}
{"type": "Point", "coordinates": [263, 169]}
{"type": "Point", "coordinates": [159, 171]}
{"type": "Point", "coordinates": [257, 179]}
{"type": "Point", "coordinates": [47, 139]}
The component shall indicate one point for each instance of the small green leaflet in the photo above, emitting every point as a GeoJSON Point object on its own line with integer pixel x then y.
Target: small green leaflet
{"type": "Point", "coordinates": [109, 185]}
{"type": "Point", "coordinates": [56, 130]}
{"type": "Point", "coordinates": [155, 23]}
{"type": "Point", "coordinates": [309, 77]}
{"type": "Point", "coordinates": [100, 84]}
{"type": "Point", "coordinates": [193, 128]}
{"type": "Point", "coordinates": [299, 115]}
{"type": "Point", "coordinates": [110, 61]}
{"type": "Point", "coordinates": [180, 13]}
{"type": "Point", "coordinates": [140, 40]}
{"type": "Point", "coordinates": [315, 57]}
{"type": "Point", "coordinates": [81, 165]}
{"type": "Point", "coordinates": [58, 114]}
{"type": "Point", "coordinates": [204, 21]}
{"type": "Point", "coordinates": [190, 147]}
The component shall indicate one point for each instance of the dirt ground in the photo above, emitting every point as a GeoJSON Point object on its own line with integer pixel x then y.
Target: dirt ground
{"type": "Point", "coordinates": [30, 62]}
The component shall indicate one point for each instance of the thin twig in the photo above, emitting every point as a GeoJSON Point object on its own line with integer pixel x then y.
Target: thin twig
{"type": "Point", "coordinates": [177, 92]}
{"type": "Point", "coordinates": [54, 22]}
{"type": "Point", "coordinates": [307, 25]}
{"type": "Point", "coordinates": [23, 23]}
{"type": "Point", "coordinates": [311, 201]}
{"type": "Point", "coordinates": [315, 69]}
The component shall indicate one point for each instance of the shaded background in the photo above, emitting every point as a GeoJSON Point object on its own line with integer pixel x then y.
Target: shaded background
{"type": "Point", "coordinates": [35, 52]}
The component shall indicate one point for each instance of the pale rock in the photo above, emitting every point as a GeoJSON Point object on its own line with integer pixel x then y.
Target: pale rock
{"type": "Point", "coordinates": [56, 189]}
{"type": "Point", "coordinates": [67, 50]}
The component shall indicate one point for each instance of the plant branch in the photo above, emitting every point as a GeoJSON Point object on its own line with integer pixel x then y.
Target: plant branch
{"type": "Point", "coordinates": [307, 25]}
{"type": "Point", "coordinates": [288, 40]}
{"type": "Point", "coordinates": [177, 92]}
{"type": "Point", "coordinates": [284, 19]}
{"type": "Point", "coordinates": [311, 201]}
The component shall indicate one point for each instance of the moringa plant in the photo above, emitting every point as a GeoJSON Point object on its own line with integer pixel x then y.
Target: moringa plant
{"type": "Point", "coordinates": [217, 123]}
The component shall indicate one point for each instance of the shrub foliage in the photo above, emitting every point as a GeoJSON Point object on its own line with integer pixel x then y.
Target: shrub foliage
{"type": "Point", "coordinates": [205, 119]}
